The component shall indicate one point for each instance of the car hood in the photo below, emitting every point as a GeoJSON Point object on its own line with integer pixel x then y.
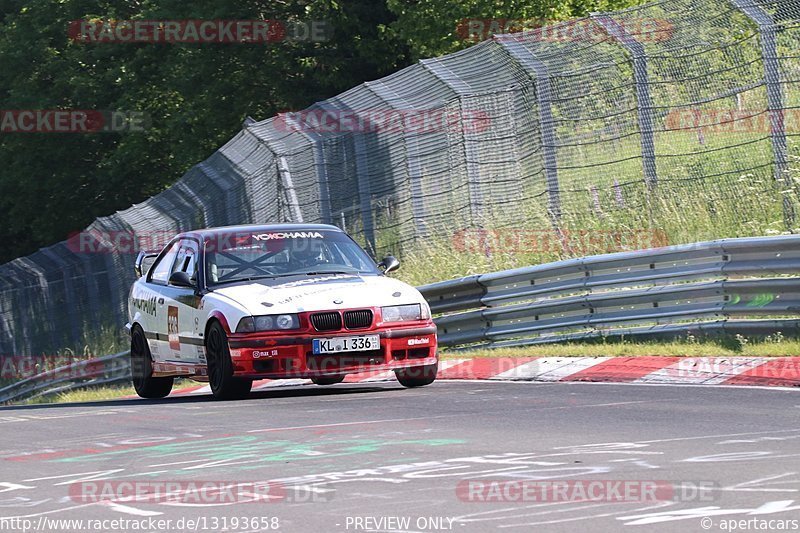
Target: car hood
{"type": "Point", "coordinates": [299, 294]}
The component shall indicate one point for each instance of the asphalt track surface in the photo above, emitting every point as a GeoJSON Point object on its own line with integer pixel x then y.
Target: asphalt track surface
{"type": "Point", "coordinates": [377, 457]}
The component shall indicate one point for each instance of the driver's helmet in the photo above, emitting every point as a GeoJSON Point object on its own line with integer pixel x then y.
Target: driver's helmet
{"type": "Point", "coordinates": [303, 257]}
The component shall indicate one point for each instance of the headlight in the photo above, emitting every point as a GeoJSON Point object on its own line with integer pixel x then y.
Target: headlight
{"type": "Point", "coordinates": [287, 321]}
{"type": "Point", "coordinates": [403, 313]}
{"type": "Point", "coordinates": [250, 324]}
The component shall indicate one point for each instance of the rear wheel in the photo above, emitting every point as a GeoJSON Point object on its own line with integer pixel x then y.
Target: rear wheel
{"type": "Point", "coordinates": [220, 367]}
{"type": "Point", "coordinates": [144, 383]}
{"type": "Point", "coordinates": [417, 376]}
{"type": "Point", "coordinates": [327, 380]}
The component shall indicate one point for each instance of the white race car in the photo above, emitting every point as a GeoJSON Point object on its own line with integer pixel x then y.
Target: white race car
{"type": "Point", "coordinates": [230, 305]}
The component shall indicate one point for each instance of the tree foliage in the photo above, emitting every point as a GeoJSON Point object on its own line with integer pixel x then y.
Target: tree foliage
{"type": "Point", "coordinates": [195, 95]}
{"type": "Point", "coordinates": [435, 27]}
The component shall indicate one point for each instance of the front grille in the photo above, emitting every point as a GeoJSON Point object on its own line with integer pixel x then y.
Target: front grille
{"type": "Point", "coordinates": [359, 319]}
{"type": "Point", "coordinates": [330, 321]}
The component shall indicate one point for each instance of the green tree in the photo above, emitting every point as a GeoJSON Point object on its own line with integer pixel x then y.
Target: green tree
{"type": "Point", "coordinates": [196, 96]}
{"type": "Point", "coordinates": [435, 27]}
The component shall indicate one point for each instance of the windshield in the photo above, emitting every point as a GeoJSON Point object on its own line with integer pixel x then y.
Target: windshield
{"type": "Point", "coordinates": [243, 256]}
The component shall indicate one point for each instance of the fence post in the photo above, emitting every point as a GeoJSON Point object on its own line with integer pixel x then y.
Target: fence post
{"type": "Point", "coordinates": [69, 305]}
{"type": "Point", "coordinates": [322, 170]}
{"type": "Point", "coordinates": [415, 173]}
{"type": "Point", "coordinates": [288, 187]}
{"type": "Point", "coordinates": [471, 157]}
{"type": "Point", "coordinates": [644, 105]}
{"type": "Point", "coordinates": [524, 57]}
{"type": "Point", "coordinates": [772, 79]}
{"type": "Point", "coordinates": [413, 157]}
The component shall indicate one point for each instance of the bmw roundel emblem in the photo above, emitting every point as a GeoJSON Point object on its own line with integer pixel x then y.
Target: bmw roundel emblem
{"type": "Point", "coordinates": [337, 302]}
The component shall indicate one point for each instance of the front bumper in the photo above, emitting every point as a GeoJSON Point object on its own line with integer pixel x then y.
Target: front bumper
{"type": "Point", "coordinates": [260, 355]}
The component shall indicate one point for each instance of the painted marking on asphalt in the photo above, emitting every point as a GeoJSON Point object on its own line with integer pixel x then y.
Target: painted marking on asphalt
{"type": "Point", "coordinates": [62, 415]}
{"type": "Point", "coordinates": [129, 510]}
{"type": "Point", "coordinates": [704, 370]}
{"type": "Point", "coordinates": [481, 368]}
{"type": "Point", "coordinates": [360, 423]}
{"type": "Point", "coordinates": [622, 369]}
{"type": "Point", "coordinates": [580, 406]}
{"type": "Point", "coordinates": [760, 484]}
{"type": "Point", "coordinates": [550, 368]}
{"type": "Point", "coordinates": [272, 383]}
{"type": "Point", "coordinates": [675, 439]}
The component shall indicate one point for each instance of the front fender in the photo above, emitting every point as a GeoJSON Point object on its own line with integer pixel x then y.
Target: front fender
{"type": "Point", "coordinates": [220, 316]}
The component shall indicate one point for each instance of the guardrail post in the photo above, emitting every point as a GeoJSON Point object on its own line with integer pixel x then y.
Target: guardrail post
{"type": "Point", "coordinates": [644, 102]}
{"type": "Point", "coordinates": [524, 57]}
{"type": "Point", "coordinates": [772, 80]}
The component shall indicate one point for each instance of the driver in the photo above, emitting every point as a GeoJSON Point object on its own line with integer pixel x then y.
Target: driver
{"type": "Point", "coordinates": [303, 257]}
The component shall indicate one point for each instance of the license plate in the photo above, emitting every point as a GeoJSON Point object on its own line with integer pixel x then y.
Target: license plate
{"type": "Point", "coordinates": [362, 343]}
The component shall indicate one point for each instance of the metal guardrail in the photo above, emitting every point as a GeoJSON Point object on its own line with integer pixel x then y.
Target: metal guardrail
{"type": "Point", "coordinates": [104, 370]}
{"type": "Point", "coordinates": [727, 285]}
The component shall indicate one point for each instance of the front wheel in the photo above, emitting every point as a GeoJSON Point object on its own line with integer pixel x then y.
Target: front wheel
{"type": "Point", "coordinates": [220, 367]}
{"type": "Point", "coordinates": [327, 380]}
{"type": "Point", "coordinates": [144, 383]}
{"type": "Point", "coordinates": [417, 376]}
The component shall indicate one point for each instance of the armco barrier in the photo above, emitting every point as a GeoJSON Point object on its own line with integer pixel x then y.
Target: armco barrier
{"type": "Point", "coordinates": [104, 370]}
{"type": "Point", "coordinates": [746, 286]}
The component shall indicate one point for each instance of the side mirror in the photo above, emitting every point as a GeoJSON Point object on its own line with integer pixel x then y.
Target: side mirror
{"type": "Point", "coordinates": [389, 264]}
{"type": "Point", "coordinates": [143, 263]}
{"type": "Point", "coordinates": [181, 279]}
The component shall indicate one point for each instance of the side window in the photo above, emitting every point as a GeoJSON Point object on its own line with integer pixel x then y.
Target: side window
{"type": "Point", "coordinates": [163, 268]}
{"type": "Point", "coordinates": [186, 260]}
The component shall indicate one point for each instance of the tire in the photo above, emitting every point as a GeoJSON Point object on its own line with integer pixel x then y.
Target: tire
{"type": "Point", "coordinates": [417, 376]}
{"type": "Point", "coordinates": [220, 367]}
{"type": "Point", "coordinates": [327, 380]}
{"type": "Point", "coordinates": [144, 383]}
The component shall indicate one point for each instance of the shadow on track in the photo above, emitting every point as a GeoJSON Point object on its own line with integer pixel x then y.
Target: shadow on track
{"type": "Point", "coordinates": [277, 392]}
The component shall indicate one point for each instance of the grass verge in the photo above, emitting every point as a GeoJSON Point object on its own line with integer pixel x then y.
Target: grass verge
{"type": "Point", "coordinates": [97, 394]}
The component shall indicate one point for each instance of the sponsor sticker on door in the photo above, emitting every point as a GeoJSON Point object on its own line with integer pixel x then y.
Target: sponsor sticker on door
{"type": "Point", "coordinates": [172, 328]}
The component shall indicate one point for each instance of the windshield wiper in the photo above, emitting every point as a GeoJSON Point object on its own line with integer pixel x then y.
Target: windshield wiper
{"type": "Point", "coordinates": [251, 278]}
{"type": "Point", "coordinates": [320, 272]}
{"type": "Point", "coordinates": [287, 275]}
